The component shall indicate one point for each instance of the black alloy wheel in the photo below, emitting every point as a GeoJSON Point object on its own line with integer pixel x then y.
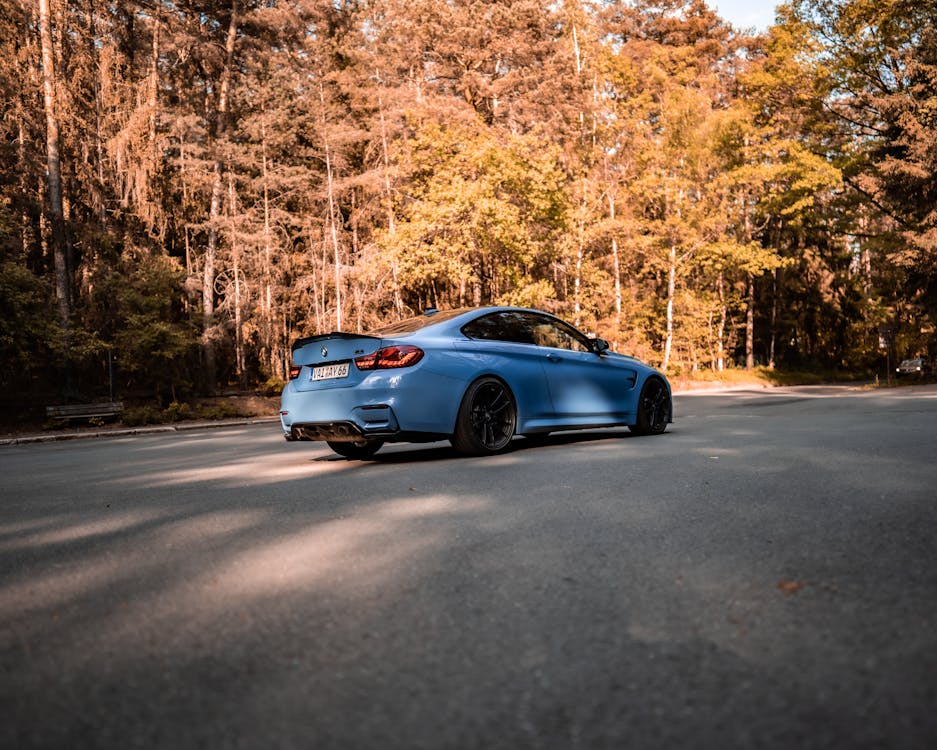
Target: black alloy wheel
{"type": "Point", "coordinates": [359, 450]}
{"type": "Point", "coordinates": [487, 418]}
{"type": "Point", "coordinates": [654, 408]}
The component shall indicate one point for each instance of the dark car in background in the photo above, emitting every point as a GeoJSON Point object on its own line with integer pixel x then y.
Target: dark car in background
{"type": "Point", "coordinates": [918, 366]}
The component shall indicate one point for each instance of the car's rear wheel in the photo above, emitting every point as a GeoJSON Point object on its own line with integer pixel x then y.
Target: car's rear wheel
{"type": "Point", "coordinates": [654, 408]}
{"type": "Point", "coordinates": [487, 418]}
{"type": "Point", "coordinates": [360, 449]}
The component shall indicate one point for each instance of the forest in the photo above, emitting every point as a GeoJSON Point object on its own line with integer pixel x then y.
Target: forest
{"type": "Point", "coordinates": [187, 186]}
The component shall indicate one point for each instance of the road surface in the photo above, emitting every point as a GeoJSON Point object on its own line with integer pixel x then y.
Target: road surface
{"type": "Point", "coordinates": [764, 575]}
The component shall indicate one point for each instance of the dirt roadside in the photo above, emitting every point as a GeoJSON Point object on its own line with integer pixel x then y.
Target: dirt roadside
{"type": "Point", "coordinates": [217, 411]}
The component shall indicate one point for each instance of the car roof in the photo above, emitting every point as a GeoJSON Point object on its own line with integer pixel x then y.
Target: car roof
{"type": "Point", "coordinates": [406, 326]}
{"type": "Point", "coordinates": [445, 320]}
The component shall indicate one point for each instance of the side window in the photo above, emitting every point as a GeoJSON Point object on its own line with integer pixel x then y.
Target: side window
{"type": "Point", "coordinates": [500, 326]}
{"type": "Point", "coordinates": [556, 334]}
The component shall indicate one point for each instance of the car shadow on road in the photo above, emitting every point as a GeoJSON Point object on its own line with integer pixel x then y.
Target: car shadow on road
{"type": "Point", "coordinates": [402, 453]}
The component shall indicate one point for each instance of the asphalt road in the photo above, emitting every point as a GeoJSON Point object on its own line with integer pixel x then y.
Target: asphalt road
{"type": "Point", "coordinates": [762, 576]}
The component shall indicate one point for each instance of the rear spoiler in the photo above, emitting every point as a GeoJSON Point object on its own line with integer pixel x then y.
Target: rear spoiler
{"type": "Point", "coordinates": [333, 336]}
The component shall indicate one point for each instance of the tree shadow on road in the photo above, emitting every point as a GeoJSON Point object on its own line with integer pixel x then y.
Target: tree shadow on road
{"type": "Point", "coordinates": [237, 591]}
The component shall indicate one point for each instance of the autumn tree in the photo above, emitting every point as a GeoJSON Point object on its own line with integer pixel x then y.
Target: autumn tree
{"type": "Point", "coordinates": [882, 59]}
{"type": "Point", "coordinates": [239, 173]}
{"type": "Point", "coordinates": [481, 221]}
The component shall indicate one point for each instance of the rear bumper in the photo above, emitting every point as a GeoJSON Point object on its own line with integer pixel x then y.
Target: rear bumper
{"type": "Point", "coordinates": [386, 405]}
{"type": "Point", "coordinates": [349, 432]}
{"type": "Point", "coordinates": [337, 432]}
{"type": "Point", "coordinates": [359, 423]}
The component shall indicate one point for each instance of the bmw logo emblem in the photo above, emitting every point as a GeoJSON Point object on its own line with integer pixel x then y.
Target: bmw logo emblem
{"type": "Point", "coordinates": [325, 352]}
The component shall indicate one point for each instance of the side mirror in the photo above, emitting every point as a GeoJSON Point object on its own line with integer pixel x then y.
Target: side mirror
{"type": "Point", "coordinates": [599, 346]}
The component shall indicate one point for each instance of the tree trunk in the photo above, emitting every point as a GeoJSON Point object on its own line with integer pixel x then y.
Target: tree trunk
{"type": "Point", "coordinates": [270, 350]}
{"type": "Point", "coordinates": [750, 324]}
{"type": "Point", "coordinates": [314, 281]}
{"type": "Point", "coordinates": [750, 295]}
{"type": "Point", "coordinates": [214, 213]}
{"type": "Point", "coordinates": [389, 198]}
{"type": "Point", "coordinates": [25, 223]}
{"type": "Point", "coordinates": [97, 190]}
{"type": "Point", "coordinates": [721, 330]}
{"type": "Point", "coordinates": [577, 281]}
{"type": "Point", "coordinates": [580, 255]}
{"type": "Point", "coordinates": [183, 174]}
{"type": "Point", "coordinates": [153, 104]}
{"type": "Point", "coordinates": [774, 319]}
{"type": "Point", "coordinates": [671, 293]}
{"type": "Point", "coordinates": [333, 229]}
{"type": "Point", "coordinates": [239, 355]}
{"type": "Point", "coordinates": [60, 249]}
{"type": "Point", "coordinates": [616, 263]}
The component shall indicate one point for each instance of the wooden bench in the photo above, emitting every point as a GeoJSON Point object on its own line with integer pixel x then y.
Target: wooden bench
{"type": "Point", "coordinates": [67, 412]}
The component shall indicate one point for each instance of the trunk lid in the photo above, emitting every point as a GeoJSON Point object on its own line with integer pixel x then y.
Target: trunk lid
{"type": "Point", "coordinates": [332, 347]}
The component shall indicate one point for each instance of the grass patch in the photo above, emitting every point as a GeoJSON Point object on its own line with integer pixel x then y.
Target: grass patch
{"type": "Point", "coordinates": [221, 410]}
{"type": "Point", "coordinates": [139, 416]}
{"type": "Point", "coordinates": [814, 377]}
{"type": "Point", "coordinates": [763, 377]}
{"type": "Point", "coordinates": [212, 409]}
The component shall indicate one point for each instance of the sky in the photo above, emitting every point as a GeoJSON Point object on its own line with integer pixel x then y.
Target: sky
{"type": "Point", "coordinates": [745, 13]}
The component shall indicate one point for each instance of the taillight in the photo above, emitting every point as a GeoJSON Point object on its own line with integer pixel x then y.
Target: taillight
{"type": "Point", "coordinates": [294, 371]}
{"type": "Point", "coordinates": [390, 357]}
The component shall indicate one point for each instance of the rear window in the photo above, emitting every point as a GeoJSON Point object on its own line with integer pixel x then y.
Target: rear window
{"type": "Point", "coordinates": [500, 326]}
{"type": "Point", "coordinates": [527, 327]}
{"type": "Point", "coordinates": [411, 325]}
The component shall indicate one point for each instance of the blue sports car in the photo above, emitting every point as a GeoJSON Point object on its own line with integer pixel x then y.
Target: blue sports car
{"type": "Point", "coordinates": [476, 377]}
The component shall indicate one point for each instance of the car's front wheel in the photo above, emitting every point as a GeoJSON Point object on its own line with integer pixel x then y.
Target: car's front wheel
{"type": "Point", "coordinates": [360, 450]}
{"type": "Point", "coordinates": [654, 408]}
{"type": "Point", "coordinates": [487, 418]}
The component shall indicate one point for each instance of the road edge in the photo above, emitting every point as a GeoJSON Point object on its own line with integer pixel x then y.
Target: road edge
{"type": "Point", "coordinates": [129, 431]}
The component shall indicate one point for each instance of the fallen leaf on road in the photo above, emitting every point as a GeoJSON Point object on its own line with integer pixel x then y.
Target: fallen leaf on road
{"type": "Point", "coordinates": [790, 587]}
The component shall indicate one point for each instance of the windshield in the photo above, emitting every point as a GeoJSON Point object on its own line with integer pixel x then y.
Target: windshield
{"type": "Point", "coordinates": [411, 325]}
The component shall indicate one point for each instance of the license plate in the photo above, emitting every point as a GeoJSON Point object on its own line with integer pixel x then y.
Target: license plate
{"type": "Point", "coordinates": [330, 372]}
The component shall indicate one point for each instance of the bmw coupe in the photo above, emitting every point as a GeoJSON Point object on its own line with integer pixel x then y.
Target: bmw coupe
{"type": "Point", "coordinates": [476, 377]}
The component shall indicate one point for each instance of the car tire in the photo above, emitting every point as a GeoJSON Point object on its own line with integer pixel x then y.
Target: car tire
{"type": "Point", "coordinates": [359, 450]}
{"type": "Point", "coordinates": [487, 418]}
{"type": "Point", "coordinates": [654, 408]}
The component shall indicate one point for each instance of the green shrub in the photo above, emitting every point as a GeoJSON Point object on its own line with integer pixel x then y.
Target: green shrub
{"type": "Point", "coordinates": [142, 415]}
{"type": "Point", "coordinates": [220, 411]}
{"type": "Point", "coordinates": [176, 412]}
{"type": "Point", "coordinates": [272, 387]}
